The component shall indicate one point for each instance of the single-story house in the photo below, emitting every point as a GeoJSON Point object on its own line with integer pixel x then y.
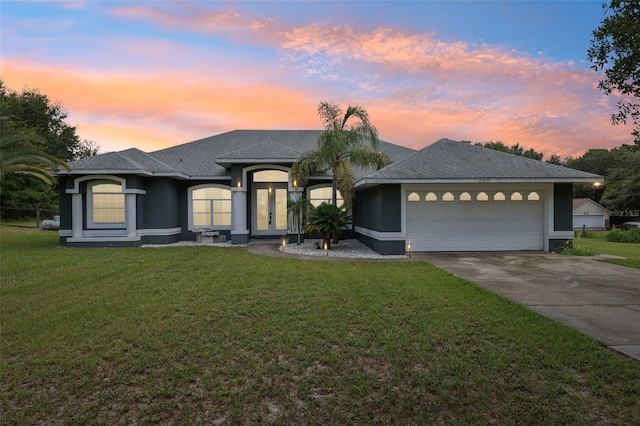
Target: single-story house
{"type": "Point", "coordinates": [448, 196]}
{"type": "Point", "coordinates": [589, 214]}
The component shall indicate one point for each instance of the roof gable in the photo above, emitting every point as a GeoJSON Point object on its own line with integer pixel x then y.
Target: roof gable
{"type": "Point", "coordinates": [265, 151]}
{"type": "Point", "coordinates": [585, 203]}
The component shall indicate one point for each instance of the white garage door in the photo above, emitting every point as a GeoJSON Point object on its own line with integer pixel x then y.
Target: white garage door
{"type": "Point", "coordinates": [474, 220]}
{"type": "Point", "coordinates": [590, 221]}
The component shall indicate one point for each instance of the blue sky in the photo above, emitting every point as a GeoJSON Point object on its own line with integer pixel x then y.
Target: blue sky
{"type": "Point", "coordinates": [153, 74]}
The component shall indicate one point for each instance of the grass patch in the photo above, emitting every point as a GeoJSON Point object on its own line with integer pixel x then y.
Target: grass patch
{"type": "Point", "coordinates": [216, 335]}
{"type": "Point", "coordinates": [599, 244]}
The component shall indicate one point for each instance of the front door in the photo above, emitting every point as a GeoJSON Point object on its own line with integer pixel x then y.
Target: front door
{"type": "Point", "coordinates": [269, 209]}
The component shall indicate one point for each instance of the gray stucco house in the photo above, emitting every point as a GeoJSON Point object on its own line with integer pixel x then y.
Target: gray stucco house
{"type": "Point", "coordinates": [448, 196]}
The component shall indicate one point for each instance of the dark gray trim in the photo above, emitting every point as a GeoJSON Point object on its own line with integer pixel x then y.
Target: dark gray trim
{"type": "Point", "coordinates": [383, 247]}
{"type": "Point", "coordinates": [239, 238]}
{"type": "Point", "coordinates": [555, 243]}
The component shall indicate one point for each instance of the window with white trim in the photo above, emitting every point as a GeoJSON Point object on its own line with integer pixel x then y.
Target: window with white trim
{"type": "Point", "coordinates": [533, 196]}
{"type": "Point", "coordinates": [431, 197]}
{"type": "Point", "coordinates": [106, 204]}
{"type": "Point", "coordinates": [448, 197]}
{"type": "Point", "coordinates": [324, 194]}
{"type": "Point", "coordinates": [210, 207]}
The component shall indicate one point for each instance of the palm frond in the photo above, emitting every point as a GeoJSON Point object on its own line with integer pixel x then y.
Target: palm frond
{"type": "Point", "coordinates": [25, 169]}
{"type": "Point", "coordinates": [330, 115]}
{"type": "Point", "coordinates": [14, 158]}
{"type": "Point", "coordinates": [364, 156]}
{"type": "Point", "coordinates": [308, 164]}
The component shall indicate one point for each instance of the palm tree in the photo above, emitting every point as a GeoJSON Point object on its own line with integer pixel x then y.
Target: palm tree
{"type": "Point", "coordinates": [329, 221]}
{"type": "Point", "coordinates": [298, 209]}
{"type": "Point", "coordinates": [340, 148]}
{"type": "Point", "coordinates": [16, 158]}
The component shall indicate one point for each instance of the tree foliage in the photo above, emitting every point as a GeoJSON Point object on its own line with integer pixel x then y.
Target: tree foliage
{"type": "Point", "coordinates": [615, 49]}
{"type": "Point", "coordinates": [620, 167]}
{"type": "Point", "coordinates": [14, 158]}
{"type": "Point", "coordinates": [340, 148]}
{"type": "Point", "coordinates": [513, 149]}
{"type": "Point", "coordinates": [34, 133]}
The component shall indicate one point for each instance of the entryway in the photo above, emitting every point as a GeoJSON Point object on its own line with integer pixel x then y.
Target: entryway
{"type": "Point", "coordinates": [269, 193]}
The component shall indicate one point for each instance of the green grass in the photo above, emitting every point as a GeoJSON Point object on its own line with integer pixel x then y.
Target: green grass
{"type": "Point", "coordinates": [596, 241]}
{"type": "Point", "coordinates": [197, 335]}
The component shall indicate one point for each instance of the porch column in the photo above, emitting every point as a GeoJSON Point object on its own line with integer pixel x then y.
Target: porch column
{"type": "Point", "coordinates": [239, 231]}
{"type": "Point", "coordinates": [130, 209]}
{"type": "Point", "coordinates": [76, 215]}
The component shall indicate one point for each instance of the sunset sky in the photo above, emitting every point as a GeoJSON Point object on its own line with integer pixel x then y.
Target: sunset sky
{"type": "Point", "coordinates": [153, 74]}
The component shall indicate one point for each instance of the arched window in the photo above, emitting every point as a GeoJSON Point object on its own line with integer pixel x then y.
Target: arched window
{"type": "Point", "coordinates": [324, 194]}
{"type": "Point", "coordinates": [533, 196]}
{"type": "Point", "coordinates": [499, 196]}
{"type": "Point", "coordinates": [106, 204]}
{"type": "Point", "coordinates": [210, 207]}
{"type": "Point", "coordinates": [516, 196]}
{"type": "Point", "coordinates": [431, 197]}
{"type": "Point", "coordinates": [465, 196]}
{"type": "Point", "coordinates": [448, 197]}
{"type": "Point", "coordinates": [413, 196]}
{"type": "Point", "coordinates": [482, 196]}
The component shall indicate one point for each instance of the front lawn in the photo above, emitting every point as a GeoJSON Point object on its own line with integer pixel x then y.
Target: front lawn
{"type": "Point", "coordinates": [597, 242]}
{"type": "Point", "coordinates": [202, 335]}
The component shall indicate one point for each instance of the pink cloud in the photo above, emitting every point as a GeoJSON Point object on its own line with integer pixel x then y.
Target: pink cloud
{"type": "Point", "coordinates": [189, 17]}
{"type": "Point", "coordinates": [417, 87]}
{"type": "Point", "coordinates": [174, 108]}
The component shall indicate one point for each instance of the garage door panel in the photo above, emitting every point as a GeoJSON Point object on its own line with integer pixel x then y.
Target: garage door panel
{"type": "Point", "coordinates": [475, 225]}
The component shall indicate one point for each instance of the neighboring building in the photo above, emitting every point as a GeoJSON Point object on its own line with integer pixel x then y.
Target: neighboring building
{"type": "Point", "coordinates": [449, 196]}
{"type": "Point", "coordinates": [588, 214]}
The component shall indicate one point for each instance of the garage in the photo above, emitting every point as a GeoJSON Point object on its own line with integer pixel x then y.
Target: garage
{"type": "Point", "coordinates": [462, 220]}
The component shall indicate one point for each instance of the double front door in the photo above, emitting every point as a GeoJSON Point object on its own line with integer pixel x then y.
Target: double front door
{"type": "Point", "coordinates": [269, 211]}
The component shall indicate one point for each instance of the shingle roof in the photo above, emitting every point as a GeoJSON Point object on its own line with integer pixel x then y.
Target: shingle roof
{"type": "Point", "coordinates": [207, 157]}
{"type": "Point", "coordinates": [130, 160]}
{"type": "Point", "coordinates": [448, 160]}
{"type": "Point", "coordinates": [579, 201]}
{"type": "Point", "coordinates": [265, 151]}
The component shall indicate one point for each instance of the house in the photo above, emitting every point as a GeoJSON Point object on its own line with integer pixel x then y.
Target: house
{"type": "Point", "coordinates": [588, 214]}
{"type": "Point", "coordinates": [448, 196]}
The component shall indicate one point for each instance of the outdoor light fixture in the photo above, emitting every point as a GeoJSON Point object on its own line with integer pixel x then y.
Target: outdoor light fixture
{"type": "Point", "coordinates": [295, 184]}
{"type": "Point", "coordinates": [284, 244]}
{"type": "Point", "coordinates": [326, 249]}
{"type": "Point", "coordinates": [239, 183]}
{"type": "Point", "coordinates": [409, 249]}
{"type": "Point", "coordinates": [269, 190]}
{"type": "Point", "coordinates": [597, 184]}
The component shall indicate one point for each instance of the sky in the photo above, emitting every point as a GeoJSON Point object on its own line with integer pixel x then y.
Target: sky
{"type": "Point", "coordinates": [154, 74]}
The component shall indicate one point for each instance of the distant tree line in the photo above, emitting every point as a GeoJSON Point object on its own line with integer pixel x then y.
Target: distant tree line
{"type": "Point", "coordinates": [42, 122]}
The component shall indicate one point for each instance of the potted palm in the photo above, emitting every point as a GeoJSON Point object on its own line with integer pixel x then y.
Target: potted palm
{"type": "Point", "coordinates": [329, 221]}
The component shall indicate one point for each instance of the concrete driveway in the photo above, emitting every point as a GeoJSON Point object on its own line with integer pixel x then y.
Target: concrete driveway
{"type": "Point", "coordinates": [596, 298]}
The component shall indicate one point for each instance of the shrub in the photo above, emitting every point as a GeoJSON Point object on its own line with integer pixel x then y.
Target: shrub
{"type": "Point", "coordinates": [329, 221]}
{"type": "Point", "coordinates": [575, 251]}
{"type": "Point", "coordinates": [620, 236]}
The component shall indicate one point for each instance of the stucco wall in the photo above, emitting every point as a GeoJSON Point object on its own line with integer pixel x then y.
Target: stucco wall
{"type": "Point", "coordinates": [563, 207]}
{"type": "Point", "coordinates": [379, 208]}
